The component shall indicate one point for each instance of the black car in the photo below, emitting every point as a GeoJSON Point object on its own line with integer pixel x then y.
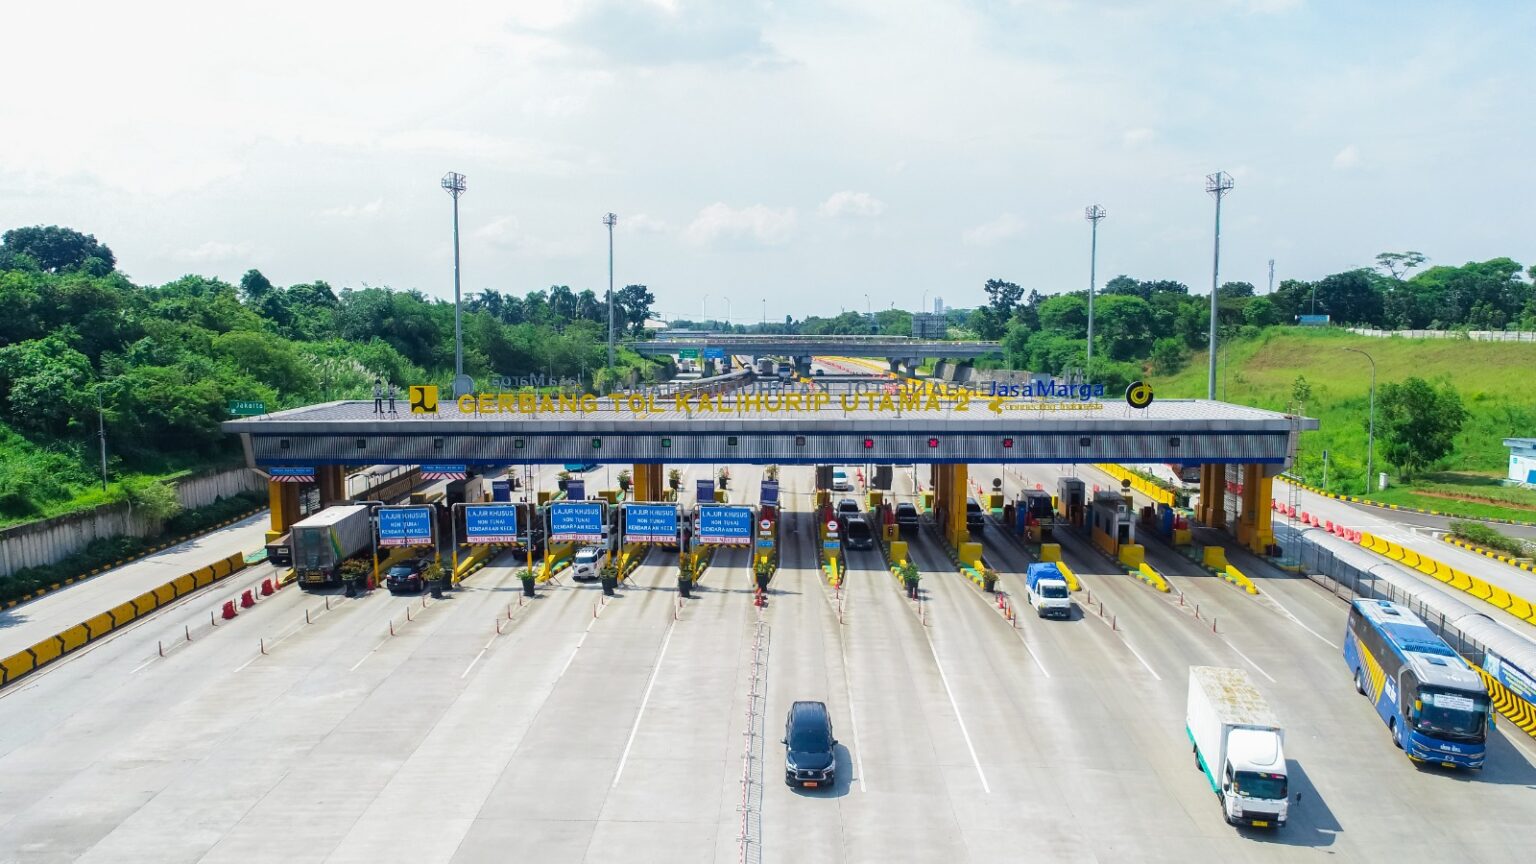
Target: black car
{"type": "Point", "coordinates": [906, 516]}
{"type": "Point", "coordinates": [810, 758]}
{"type": "Point", "coordinates": [847, 508]}
{"type": "Point", "coordinates": [406, 576]}
{"type": "Point", "coordinates": [975, 519]}
{"type": "Point", "coordinates": [858, 534]}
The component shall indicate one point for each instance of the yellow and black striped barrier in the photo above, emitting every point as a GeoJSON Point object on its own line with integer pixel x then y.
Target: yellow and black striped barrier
{"type": "Point", "coordinates": [1489, 553]}
{"type": "Point", "coordinates": [1517, 710]}
{"type": "Point", "coordinates": [1355, 499]}
{"type": "Point", "coordinates": [1461, 580]}
{"type": "Point", "coordinates": [46, 651]}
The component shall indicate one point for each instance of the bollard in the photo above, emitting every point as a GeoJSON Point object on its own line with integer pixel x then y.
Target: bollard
{"type": "Point", "coordinates": [306, 616]}
{"type": "Point", "coordinates": [1213, 625]}
{"type": "Point", "coordinates": [1114, 622]}
{"type": "Point", "coordinates": [212, 618]}
{"type": "Point", "coordinates": [160, 646]}
{"type": "Point", "coordinates": [266, 587]}
{"type": "Point", "coordinates": [391, 626]}
{"type": "Point", "coordinates": [262, 643]}
{"type": "Point", "coordinates": [408, 617]}
{"type": "Point", "coordinates": [188, 630]}
{"type": "Point", "coordinates": [497, 622]}
{"type": "Point", "coordinates": [1197, 611]}
{"type": "Point", "coordinates": [229, 609]}
{"type": "Point", "coordinates": [327, 602]}
{"type": "Point", "coordinates": [246, 600]}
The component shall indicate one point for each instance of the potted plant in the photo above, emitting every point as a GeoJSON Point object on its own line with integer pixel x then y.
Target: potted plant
{"type": "Point", "coordinates": [563, 479]}
{"type": "Point", "coordinates": [529, 580]}
{"type": "Point", "coordinates": [433, 576]}
{"type": "Point", "coordinates": [909, 577]}
{"type": "Point", "coordinates": [685, 577]}
{"type": "Point", "coordinates": [764, 573]}
{"type": "Point", "coordinates": [352, 572]}
{"type": "Point", "coordinates": [610, 578]}
{"type": "Point", "coordinates": [725, 478]}
{"type": "Point", "coordinates": [625, 478]}
{"type": "Point", "coordinates": [675, 479]}
{"type": "Point", "coordinates": [988, 580]}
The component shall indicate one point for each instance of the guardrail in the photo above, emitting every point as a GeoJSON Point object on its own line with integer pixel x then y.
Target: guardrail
{"type": "Point", "coordinates": [1153, 491]}
{"type": "Point", "coordinates": [1489, 553]}
{"type": "Point", "coordinates": [71, 639]}
{"type": "Point", "coordinates": [1462, 581]}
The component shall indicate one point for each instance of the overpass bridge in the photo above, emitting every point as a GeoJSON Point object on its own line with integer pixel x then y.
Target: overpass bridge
{"type": "Point", "coordinates": [898, 351]}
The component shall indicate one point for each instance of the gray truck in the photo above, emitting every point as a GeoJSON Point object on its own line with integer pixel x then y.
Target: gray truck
{"type": "Point", "coordinates": [324, 540]}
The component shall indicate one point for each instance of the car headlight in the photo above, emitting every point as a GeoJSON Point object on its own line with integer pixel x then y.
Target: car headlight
{"type": "Point", "coordinates": [1237, 810]}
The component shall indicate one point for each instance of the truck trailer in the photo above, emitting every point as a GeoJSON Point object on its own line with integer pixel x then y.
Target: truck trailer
{"type": "Point", "coordinates": [1047, 590]}
{"type": "Point", "coordinates": [324, 540]}
{"type": "Point", "coordinates": [1239, 746]}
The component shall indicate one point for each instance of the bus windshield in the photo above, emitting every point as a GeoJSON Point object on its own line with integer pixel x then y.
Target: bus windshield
{"type": "Point", "coordinates": [1259, 784]}
{"type": "Point", "coordinates": [1450, 715]}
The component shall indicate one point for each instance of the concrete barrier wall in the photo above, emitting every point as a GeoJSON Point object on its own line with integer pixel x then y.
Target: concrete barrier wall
{"type": "Point", "coordinates": [46, 651]}
{"type": "Point", "coordinates": [36, 544]}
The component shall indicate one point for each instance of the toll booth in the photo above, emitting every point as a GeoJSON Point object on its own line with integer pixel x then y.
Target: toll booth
{"type": "Point", "coordinates": [1071, 500]}
{"type": "Point", "coordinates": [882, 477]}
{"type": "Point", "coordinates": [1034, 516]}
{"type": "Point", "coordinates": [1111, 522]}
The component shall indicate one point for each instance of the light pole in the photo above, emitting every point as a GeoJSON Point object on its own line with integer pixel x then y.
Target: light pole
{"type": "Point", "coordinates": [765, 315]}
{"type": "Point", "coordinates": [455, 185]}
{"type": "Point", "coordinates": [1218, 184]}
{"type": "Point", "coordinates": [610, 220]}
{"type": "Point", "coordinates": [704, 309]}
{"type": "Point", "coordinates": [1093, 214]}
{"type": "Point", "coordinates": [101, 433]}
{"type": "Point", "coordinates": [1370, 440]}
{"type": "Point", "coordinates": [727, 313]}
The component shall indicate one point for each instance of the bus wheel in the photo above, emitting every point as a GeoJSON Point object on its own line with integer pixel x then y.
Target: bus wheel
{"type": "Point", "coordinates": [1397, 734]}
{"type": "Point", "coordinates": [1359, 682]}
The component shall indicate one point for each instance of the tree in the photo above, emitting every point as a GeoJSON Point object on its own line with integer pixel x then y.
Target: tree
{"type": "Point", "coordinates": [1123, 325]}
{"type": "Point", "coordinates": [254, 286]}
{"type": "Point", "coordinates": [632, 306]}
{"type": "Point", "coordinates": [1398, 264]}
{"type": "Point", "coordinates": [43, 384]}
{"type": "Point", "coordinates": [1066, 314]}
{"type": "Point", "coordinates": [1260, 312]}
{"type": "Point", "coordinates": [54, 249]}
{"type": "Point", "coordinates": [1301, 393]}
{"type": "Point", "coordinates": [1002, 297]}
{"type": "Point", "coordinates": [1417, 423]}
{"type": "Point", "coordinates": [1168, 356]}
{"type": "Point", "coordinates": [1234, 290]}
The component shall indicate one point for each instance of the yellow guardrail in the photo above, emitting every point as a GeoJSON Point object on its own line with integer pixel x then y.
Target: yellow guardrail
{"type": "Point", "coordinates": [1066, 572]}
{"type": "Point", "coordinates": [1239, 578]}
{"type": "Point", "coordinates": [1153, 491]}
{"type": "Point", "coordinates": [1509, 703]}
{"type": "Point", "coordinates": [1462, 581]}
{"type": "Point", "coordinates": [1147, 574]}
{"type": "Point", "coordinates": [1489, 553]}
{"type": "Point", "coordinates": [476, 559]}
{"type": "Point", "coordinates": [73, 638]}
{"type": "Point", "coordinates": [557, 557]}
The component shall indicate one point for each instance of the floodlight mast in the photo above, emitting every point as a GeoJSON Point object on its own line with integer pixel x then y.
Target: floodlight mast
{"type": "Point", "coordinates": [1218, 184]}
{"type": "Point", "coordinates": [455, 184]}
{"type": "Point", "coordinates": [1093, 214]}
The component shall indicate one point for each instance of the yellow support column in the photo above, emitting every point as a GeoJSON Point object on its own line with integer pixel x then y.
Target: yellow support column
{"type": "Point", "coordinates": [1255, 527]}
{"type": "Point", "coordinates": [642, 483]}
{"type": "Point", "coordinates": [954, 516]}
{"type": "Point", "coordinates": [1213, 485]}
{"type": "Point", "coordinates": [284, 501]}
{"type": "Point", "coordinates": [333, 484]}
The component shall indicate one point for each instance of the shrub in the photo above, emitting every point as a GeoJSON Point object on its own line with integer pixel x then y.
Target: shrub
{"type": "Point", "coordinates": [1482, 535]}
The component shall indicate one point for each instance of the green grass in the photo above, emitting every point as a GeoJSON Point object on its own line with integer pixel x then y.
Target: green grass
{"type": "Point", "coordinates": [1493, 379]}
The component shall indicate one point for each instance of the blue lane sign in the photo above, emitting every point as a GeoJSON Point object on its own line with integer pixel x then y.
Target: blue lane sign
{"type": "Point", "coordinates": [575, 490]}
{"type": "Point", "coordinates": [765, 544]}
{"type": "Point", "coordinates": [705, 491]}
{"type": "Point", "coordinates": [405, 526]}
{"type": "Point", "coordinates": [714, 353]}
{"type": "Point", "coordinates": [650, 523]}
{"type": "Point", "coordinates": [292, 474]}
{"type": "Point", "coordinates": [769, 494]}
{"type": "Point", "coordinates": [576, 521]}
{"type": "Point", "coordinates": [829, 544]}
{"type": "Point", "coordinates": [722, 525]}
{"type": "Point", "coordinates": [490, 523]}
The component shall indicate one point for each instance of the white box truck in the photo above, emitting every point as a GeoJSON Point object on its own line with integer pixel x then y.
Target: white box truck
{"type": "Point", "coordinates": [324, 540]}
{"type": "Point", "coordinates": [1047, 590]}
{"type": "Point", "coordinates": [1239, 746]}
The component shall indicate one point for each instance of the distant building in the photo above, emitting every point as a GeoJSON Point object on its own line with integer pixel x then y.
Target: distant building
{"type": "Point", "coordinates": [1522, 460]}
{"type": "Point", "coordinates": [938, 305]}
{"type": "Point", "coordinates": [929, 326]}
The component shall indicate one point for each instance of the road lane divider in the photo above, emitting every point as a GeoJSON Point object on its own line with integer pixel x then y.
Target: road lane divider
{"type": "Point", "coordinates": [1490, 553]}
{"type": "Point", "coordinates": [1214, 559]}
{"type": "Point", "coordinates": [1495, 596]}
{"type": "Point", "coordinates": [73, 638]}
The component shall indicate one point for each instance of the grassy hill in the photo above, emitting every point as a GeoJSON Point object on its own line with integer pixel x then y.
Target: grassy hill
{"type": "Point", "coordinates": [1497, 382]}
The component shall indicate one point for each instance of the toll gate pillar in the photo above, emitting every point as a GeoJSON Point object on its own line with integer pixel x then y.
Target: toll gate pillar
{"type": "Point", "coordinates": [1255, 526]}
{"type": "Point", "coordinates": [646, 482]}
{"type": "Point", "coordinates": [333, 484]}
{"type": "Point", "coordinates": [283, 498]}
{"type": "Point", "coordinates": [1213, 485]}
{"type": "Point", "coordinates": [949, 502]}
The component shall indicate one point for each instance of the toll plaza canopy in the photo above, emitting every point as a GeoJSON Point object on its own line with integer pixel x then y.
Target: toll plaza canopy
{"type": "Point", "coordinates": [792, 426]}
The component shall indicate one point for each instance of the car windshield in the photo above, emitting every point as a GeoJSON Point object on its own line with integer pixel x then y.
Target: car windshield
{"type": "Point", "coordinates": [586, 556]}
{"type": "Point", "coordinates": [1451, 715]}
{"type": "Point", "coordinates": [1053, 590]}
{"type": "Point", "coordinates": [906, 510]}
{"type": "Point", "coordinates": [809, 738]}
{"type": "Point", "coordinates": [1259, 784]}
{"type": "Point", "coordinates": [401, 570]}
{"type": "Point", "coordinates": [858, 530]}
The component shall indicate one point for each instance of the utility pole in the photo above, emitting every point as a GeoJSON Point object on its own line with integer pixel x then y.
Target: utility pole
{"type": "Point", "coordinates": [610, 220]}
{"type": "Point", "coordinates": [1218, 184]}
{"type": "Point", "coordinates": [1370, 441]}
{"type": "Point", "coordinates": [101, 433]}
{"type": "Point", "coordinates": [455, 185]}
{"type": "Point", "coordinates": [1093, 214]}
{"type": "Point", "coordinates": [1271, 275]}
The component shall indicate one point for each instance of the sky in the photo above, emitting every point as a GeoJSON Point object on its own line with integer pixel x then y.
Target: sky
{"type": "Point", "coordinates": [785, 158]}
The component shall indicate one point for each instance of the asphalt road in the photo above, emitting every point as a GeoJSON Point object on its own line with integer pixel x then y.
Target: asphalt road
{"type": "Point", "coordinates": [617, 731]}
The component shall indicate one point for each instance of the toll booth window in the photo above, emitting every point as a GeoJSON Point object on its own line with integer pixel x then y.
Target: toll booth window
{"type": "Point", "coordinates": [437, 443]}
{"type": "Point", "coordinates": [1173, 442]}
{"type": "Point", "coordinates": [799, 440]}
{"type": "Point", "coordinates": [1085, 442]}
{"type": "Point", "coordinates": [283, 444]}
{"type": "Point", "coordinates": [362, 444]}
{"type": "Point", "coordinates": [730, 441]}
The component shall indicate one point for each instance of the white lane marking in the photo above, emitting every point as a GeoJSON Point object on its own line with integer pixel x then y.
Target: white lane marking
{"type": "Point", "coordinates": [572, 658]}
{"type": "Point", "coordinates": [477, 659]}
{"type": "Point", "coordinates": [1123, 641]}
{"type": "Point", "coordinates": [1246, 660]}
{"type": "Point", "coordinates": [247, 663]}
{"type": "Point", "coordinates": [142, 665]}
{"type": "Point", "coordinates": [853, 719]}
{"type": "Point", "coordinates": [1018, 631]}
{"type": "Point", "coordinates": [1326, 641]}
{"type": "Point", "coordinates": [366, 656]}
{"type": "Point", "coordinates": [943, 679]}
{"type": "Point", "coordinates": [645, 700]}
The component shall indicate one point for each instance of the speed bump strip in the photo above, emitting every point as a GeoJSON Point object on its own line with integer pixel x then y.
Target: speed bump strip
{"type": "Point", "coordinates": [1519, 711]}
{"type": "Point", "coordinates": [78, 636]}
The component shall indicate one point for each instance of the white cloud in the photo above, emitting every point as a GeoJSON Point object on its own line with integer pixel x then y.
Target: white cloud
{"type": "Point", "coordinates": [987, 233]}
{"type": "Point", "coordinates": [1137, 137]}
{"type": "Point", "coordinates": [507, 234]}
{"type": "Point", "coordinates": [1347, 158]}
{"type": "Point", "coordinates": [214, 251]}
{"type": "Point", "coordinates": [768, 226]}
{"type": "Point", "coordinates": [370, 210]}
{"type": "Point", "coordinates": [644, 223]}
{"type": "Point", "coordinates": [849, 203]}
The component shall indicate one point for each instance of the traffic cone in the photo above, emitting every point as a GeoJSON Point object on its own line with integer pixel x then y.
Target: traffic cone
{"type": "Point", "coordinates": [229, 609]}
{"type": "Point", "coordinates": [246, 600]}
{"type": "Point", "coordinates": [266, 587]}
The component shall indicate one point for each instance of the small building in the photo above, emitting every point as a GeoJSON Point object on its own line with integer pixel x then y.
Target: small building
{"type": "Point", "coordinates": [1522, 460]}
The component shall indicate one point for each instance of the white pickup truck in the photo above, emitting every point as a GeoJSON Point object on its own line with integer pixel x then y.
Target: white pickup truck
{"type": "Point", "coordinates": [1238, 745]}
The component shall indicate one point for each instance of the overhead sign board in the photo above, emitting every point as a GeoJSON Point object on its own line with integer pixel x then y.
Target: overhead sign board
{"type": "Point", "coordinates": [714, 353]}
{"type": "Point", "coordinates": [405, 526]}
{"type": "Point", "coordinates": [725, 525]}
{"type": "Point", "coordinates": [246, 408]}
{"type": "Point", "coordinates": [575, 490]}
{"type": "Point", "coordinates": [292, 474]}
{"type": "Point", "coordinates": [444, 472]}
{"type": "Point", "coordinates": [490, 523]}
{"type": "Point", "coordinates": [650, 523]}
{"type": "Point", "coordinates": [687, 353]}
{"type": "Point", "coordinates": [576, 522]}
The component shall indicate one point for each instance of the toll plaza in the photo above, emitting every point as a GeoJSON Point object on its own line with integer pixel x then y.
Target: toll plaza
{"type": "Point", "coordinates": [1240, 448]}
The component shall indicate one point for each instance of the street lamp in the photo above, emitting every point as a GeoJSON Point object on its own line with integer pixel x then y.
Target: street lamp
{"type": "Point", "coordinates": [1218, 184]}
{"type": "Point", "coordinates": [1370, 441]}
{"type": "Point", "coordinates": [456, 185]}
{"type": "Point", "coordinates": [1093, 214]}
{"type": "Point", "coordinates": [609, 220]}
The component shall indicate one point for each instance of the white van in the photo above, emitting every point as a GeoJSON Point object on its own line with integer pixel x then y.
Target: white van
{"type": "Point", "coordinates": [588, 563]}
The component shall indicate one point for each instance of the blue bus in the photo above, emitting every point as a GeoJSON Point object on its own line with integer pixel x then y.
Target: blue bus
{"type": "Point", "coordinates": [1434, 704]}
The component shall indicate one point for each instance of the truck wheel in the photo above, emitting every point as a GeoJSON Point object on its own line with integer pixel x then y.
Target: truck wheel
{"type": "Point", "coordinates": [1359, 682]}
{"type": "Point", "coordinates": [1198, 766]}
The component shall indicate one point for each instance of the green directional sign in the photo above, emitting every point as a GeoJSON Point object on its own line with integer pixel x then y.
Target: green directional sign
{"type": "Point", "coordinates": [687, 353]}
{"type": "Point", "coordinates": [247, 408]}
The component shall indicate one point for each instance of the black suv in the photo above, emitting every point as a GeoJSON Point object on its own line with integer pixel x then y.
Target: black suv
{"type": "Point", "coordinates": [857, 533]}
{"type": "Point", "coordinates": [406, 576]}
{"type": "Point", "coordinates": [906, 516]}
{"type": "Point", "coordinates": [974, 518]}
{"type": "Point", "coordinates": [810, 759]}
